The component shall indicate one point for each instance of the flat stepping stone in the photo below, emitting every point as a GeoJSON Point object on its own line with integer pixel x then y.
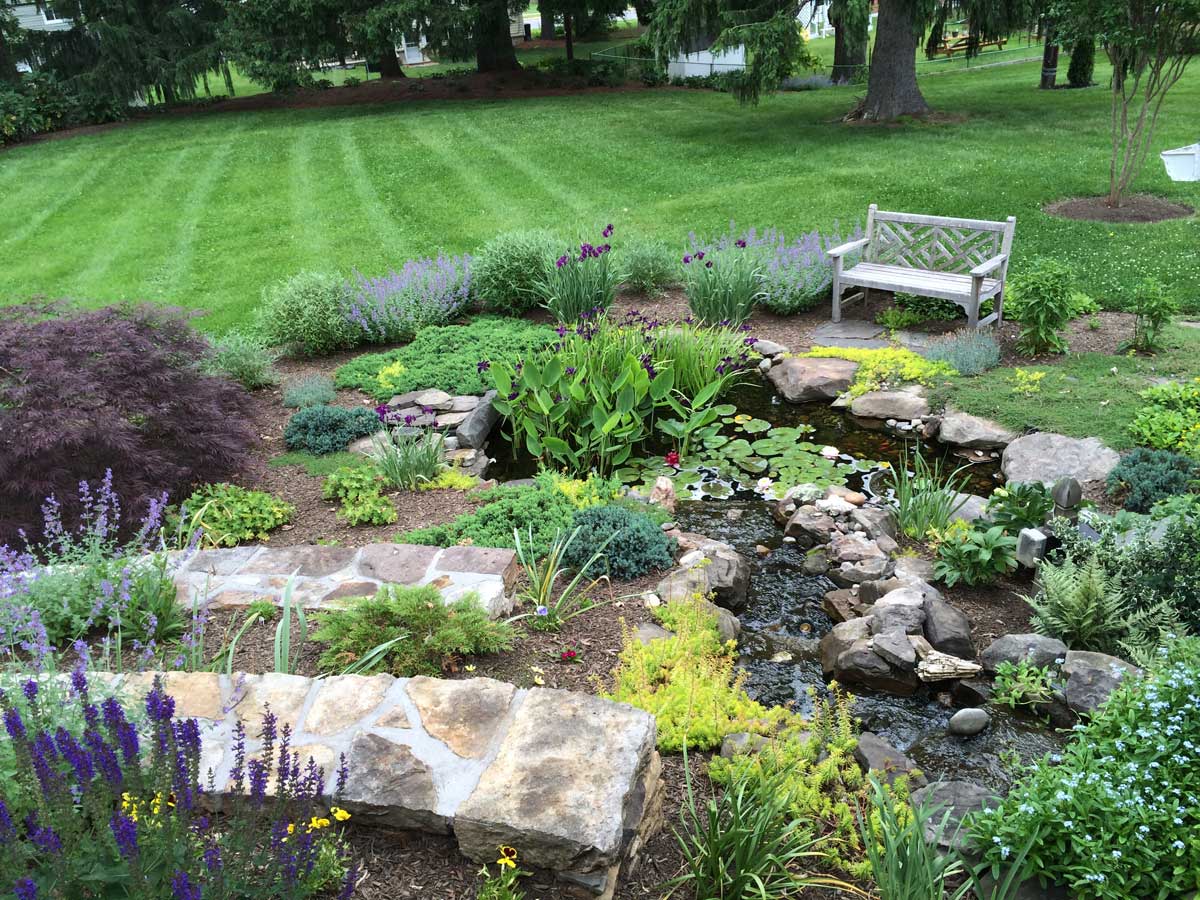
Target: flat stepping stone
{"type": "Point", "coordinates": [326, 577]}
{"type": "Point", "coordinates": [965, 430]}
{"type": "Point", "coordinates": [906, 404]}
{"type": "Point", "coordinates": [1047, 457]}
{"type": "Point", "coordinates": [570, 779]}
{"type": "Point", "coordinates": [847, 329]}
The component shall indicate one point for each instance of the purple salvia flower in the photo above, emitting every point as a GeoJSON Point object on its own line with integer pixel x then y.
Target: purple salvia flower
{"type": "Point", "coordinates": [7, 832]}
{"type": "Point", "coordinates": [350, 882]}
{"type": "Point", "coordinates": [46, 840]}
{"type": "Point", "coordinates": [26, 889]}
{"type": "Point", "coordinates": [182, 887]}
{"type": "Point", "coordinates": [124, 831]}
{"type": "Point", "coordinates": [212, 856]}
{"type": "Point", "coordinates": [30, 690]}
{"type": "Point", "coordinates": [343, 774]}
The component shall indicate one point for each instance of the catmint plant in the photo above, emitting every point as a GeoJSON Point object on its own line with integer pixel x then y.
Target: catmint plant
{"type": "Point", "coordinates": [396, 306]}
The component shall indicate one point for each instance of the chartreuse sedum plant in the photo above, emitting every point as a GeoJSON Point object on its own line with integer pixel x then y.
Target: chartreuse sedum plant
{"type": "Point", "coordinates": [880, 368]}
{"type": "Point", "coordinates": [926, 497]}
{"type": "Point", "coordinates": [227, 514]}
{"type": "Point", "coordinates": [823, 780]}
{"type": "Point", "coordinates": [723, 286]}
{"type": "Point", "coordinates": [687, 682]}
{"type": "Point", "coordinates": [581, 283]}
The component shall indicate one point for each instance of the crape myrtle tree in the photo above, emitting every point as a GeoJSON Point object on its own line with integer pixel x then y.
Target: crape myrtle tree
{"type": "Point", "coordinates": [134, 50]}
{"type": "Point", "coordinates": [1149, 43]}
{"type": "Point", "coordinates": [768, 30]}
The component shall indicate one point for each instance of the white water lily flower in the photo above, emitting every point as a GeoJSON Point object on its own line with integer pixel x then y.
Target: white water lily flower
{"type": "Point", "coordinates": [830, 452]}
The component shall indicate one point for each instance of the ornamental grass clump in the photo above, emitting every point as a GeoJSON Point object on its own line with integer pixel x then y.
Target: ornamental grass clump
{"type": "Point", "coordinates": [581, 283]}
{"type": "Point", "coordinates": [119, 804]}
{"type": "Point", "coordinates": [722, 286]}
{"type": "Point", "coordinates": [398, 305]}
{"type": "Point", "coordinates": [969, 351]}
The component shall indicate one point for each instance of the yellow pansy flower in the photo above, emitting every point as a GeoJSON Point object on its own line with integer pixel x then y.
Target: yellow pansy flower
{"type": "Point", "coordinates": [340, 814]}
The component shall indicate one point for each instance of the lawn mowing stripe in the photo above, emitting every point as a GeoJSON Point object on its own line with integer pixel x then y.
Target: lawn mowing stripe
{"type": "Point", "coordinates": [64, 194]}
{"type": "Point", "coordinates": [306, 207]}
{"type": "Point", "coordinates": [385, 228]}
{"type": "Point", "coordinates": [177, 264]}
{"type": "Point", "coordinates": [131, 211]}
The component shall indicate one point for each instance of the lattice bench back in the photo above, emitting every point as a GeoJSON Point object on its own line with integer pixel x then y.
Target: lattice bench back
{"type": "Point", "coordinates": [935, 243]}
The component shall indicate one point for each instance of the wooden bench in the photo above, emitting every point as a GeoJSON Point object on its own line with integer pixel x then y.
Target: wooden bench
{"type": "Point", "coordinates": [962, 44]}
{"type": "Point", "coordinates": [963, 260]}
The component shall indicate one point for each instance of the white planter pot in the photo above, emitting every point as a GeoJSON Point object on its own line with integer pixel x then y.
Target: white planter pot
{"type": "Point", "coordinates": [1183, 163]}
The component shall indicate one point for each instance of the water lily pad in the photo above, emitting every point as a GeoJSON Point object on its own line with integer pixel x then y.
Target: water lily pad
{"type": "Point", "coordinates": [755, 426]}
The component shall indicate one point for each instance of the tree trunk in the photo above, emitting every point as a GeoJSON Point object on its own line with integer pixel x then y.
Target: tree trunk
{"type": "Point", "coordinates": [892, 84]}
{"type": "Point", "coordinates": [644, 10]}
{"type": "Point", "coordinates": [493, 48]}
{"type": "Point", "coordinates": [849, 52]}
{"type": "Point", "coordinates": [568, 32]}
{"type": "Point", "coordinates": [546, 12]}
{"type": "Point", "coordinates": [389, 63]}
{"type": "Point", "coordinates": [1049, 60]}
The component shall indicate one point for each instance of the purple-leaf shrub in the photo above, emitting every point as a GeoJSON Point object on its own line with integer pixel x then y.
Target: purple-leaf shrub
{"type": "Point", "coordinates": [395, 306]}
{"type": "Point", "coordinates": [118, 388]}
{"type": "Point", "coordinates": [796, 274]}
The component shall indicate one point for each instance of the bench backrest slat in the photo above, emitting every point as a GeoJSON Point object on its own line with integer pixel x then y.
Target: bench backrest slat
{"type": "Point", "coordinates": [935, 243]}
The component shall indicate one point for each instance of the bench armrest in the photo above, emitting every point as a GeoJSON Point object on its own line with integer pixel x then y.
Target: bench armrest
{"type": "Point", "coordinates": [847, 248]}
{"type": "Point", "coordinates": [991, 265]}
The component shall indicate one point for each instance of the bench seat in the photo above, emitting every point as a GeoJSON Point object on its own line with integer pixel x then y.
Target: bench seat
{"type": "Point", "coordinates": [946, 285]}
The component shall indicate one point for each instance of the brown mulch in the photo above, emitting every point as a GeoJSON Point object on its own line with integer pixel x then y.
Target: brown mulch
{"type": "Point", "coordinates": [1136, 208]}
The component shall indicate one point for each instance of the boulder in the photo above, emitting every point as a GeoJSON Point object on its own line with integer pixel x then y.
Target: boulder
{"type": "Point", "coordinates": [564, 804]}
{"type": "Point", "coordinates": [728, 625]}
{"type": "Point", "coordinates": [473, 431]}
{"type": "Point", "coordinates": [769, 348]}
{"type": "Point", "coordinates": [1047, 457]}
{"type": "Point", "coordinates": [965, 430]}
{"type": "Point", "coordinates": [431, 398]}
{"type": "Point", "coordinates": [875, 520]}
{"type": "Point", "coordinates": [971, 692]}
{"type": "Point", "coordinates": [648, 631]}
{"type": "Point", "coordinates": [852, 548]}
{"type": "Point", "coordinates": [859, 664]}
{"type": "Point", "coordinates": [841, 638]}
{"type": "Point", "coordinates": [971, 508]}
{"type": "Point", "coordinates": [905, 404]}
{"type": "Point", "coordinates": [742, 742]}
{"type": "Point", "coordinates": [663, 493]}
{"type": "Point", "coordinates": [1036, 649]}
{"type": "Point", "coordinates": [871, 569]}
{"type": "Point", "coordinates": [816, 561]}
{"type": "Point", "coordinates": [899, 610]}
{"type": "Point", "coordinates": [948, 629]}
{"type": "Point", "coordinates": [809, 526]}
{"type": "Point", "coordinates": [804, 380]}
{"type": "Point", "coordinates": [968, 722]}
{"type": "Point", "coordinates": [835, 506]}
{"type": "Point", "coordinates": [959, 799]}
{"type": "Point", "coordinates": [841, 605]}
{"type": "Point", "coordinates": [1091, 677]}
{"type": "Point", "coordinates": [914, 569]}
{"type": "Point", "coordinates": [713, 567]}
{"type": "Point", "coordinates": [874, 754]}
{"type": "Point", "coordinates": [894, 647]}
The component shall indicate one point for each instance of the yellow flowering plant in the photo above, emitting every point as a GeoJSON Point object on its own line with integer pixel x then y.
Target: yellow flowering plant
{"type": "Point", "coordinates": [504, 885]}
{"type": "Point", "coordinates": [885, 367]}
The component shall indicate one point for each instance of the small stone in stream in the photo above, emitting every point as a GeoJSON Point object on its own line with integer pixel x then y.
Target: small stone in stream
{"type": "Point", "coordinates": [816, 562]}
{"type": "Point", "coordinates": [852, 497]}
{"type": "Point", "coordinates": [971, 692]}
{"type": "Point", "coordinates": [781, 657]}
{"type": "Point", "coordinates": [663, 493]}
{"type": "Point", "coordinates": [669, 526]}
{"type": "Point", "coordinates": [841, 605]}
{"type": "Point", "coordinates": [835, 506]}
{"type": "Point", "coordinates": [762, 549]}
{"type": "Point", "coordinates": [969, 722]}
{"type": "Point", "coordinates": [874, 754]}
{"type": "Point", "coordinates": [894, 647]}
{"type": "Point", "coordinates": [948, 629]}
{"type": "Point", "coordinates": [734, 514]}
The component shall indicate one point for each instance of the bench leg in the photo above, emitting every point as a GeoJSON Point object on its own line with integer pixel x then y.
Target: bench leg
{"type": "Point", "coordinates": [973, 302]}
{"type": "Point", "coordinates": [999, 301]}
{"type": "Point", "coordinates": [837, 290]}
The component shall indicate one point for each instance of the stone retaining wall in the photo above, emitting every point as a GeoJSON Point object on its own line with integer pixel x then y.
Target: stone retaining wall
{"type": "Point", "coordinates": [569, 779]}
{"type": "Point", "coordinates": [322, 576]}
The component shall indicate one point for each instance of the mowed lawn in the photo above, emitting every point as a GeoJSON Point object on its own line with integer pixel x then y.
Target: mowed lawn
{"type": "Point", "coordinates": [204, 211]}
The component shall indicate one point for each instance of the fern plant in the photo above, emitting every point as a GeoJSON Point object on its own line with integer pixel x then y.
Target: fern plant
{"type": "Point", "coordinates": [1080, 605]}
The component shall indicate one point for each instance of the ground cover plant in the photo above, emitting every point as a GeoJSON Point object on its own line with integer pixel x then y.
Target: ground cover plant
{"type": "Point", "coordinates": [319, 180]}
{"type": "Point", "coordinates": [1170, 418]}
{"type": "Point", "coordinates": [885, 367]}
{"type": "Point", "coordinates": [1082, 396]}
{"type": "Point", "coordinates": [1144, 477]}
{"type": "Point", "coordinates": [117, 389]}
{"type": "Point", "coordinates": [313, 390]}
{"type": "Point", "coordinates": [970, 351]}
{"type": "Point", "coordinates": [328, 429]}
{"type": "Point", "coordinates": [227, 515]}
{"type": "Point", "coordinates": [454, 358]}
{"type": "Point", "coordinates": [359, 489]}
{"type": "Point", "coordinates": [123, 812]}
{"type": "Point", "coordinates": [1114, 813]}
{"type": "Point", "coordinates": [542, 509]}
{"type": "Point", "coordinates": [408, 631]}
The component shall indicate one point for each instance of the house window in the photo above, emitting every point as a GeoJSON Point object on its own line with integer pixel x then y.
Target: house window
{"type": "Point", "coordinates": [49, 15]}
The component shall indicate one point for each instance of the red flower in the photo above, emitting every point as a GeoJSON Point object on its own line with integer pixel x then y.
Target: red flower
{"type": "Point", "coordinates": [672, 458]}
{"type": "Point", "coordinates": [568, 655]}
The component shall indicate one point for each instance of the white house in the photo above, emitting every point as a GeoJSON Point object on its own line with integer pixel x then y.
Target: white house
{"type": "Point", "coordinates": [31, 18]}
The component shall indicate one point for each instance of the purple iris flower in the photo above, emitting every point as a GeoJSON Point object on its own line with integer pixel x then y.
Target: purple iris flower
{"type": "Point", "coordinates": [482, 366]}
{"type": "Point", "coordinates": [608, 230]}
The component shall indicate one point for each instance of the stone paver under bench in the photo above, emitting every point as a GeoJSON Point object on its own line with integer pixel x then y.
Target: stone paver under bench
{"type": "Point", "coordinates": [569, 779]}
{"type": "Point", "coordinates": [323, 576]}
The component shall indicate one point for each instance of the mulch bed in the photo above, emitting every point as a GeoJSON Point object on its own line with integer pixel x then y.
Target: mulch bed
{"type": "Point", "coordinates": [1136, 208]}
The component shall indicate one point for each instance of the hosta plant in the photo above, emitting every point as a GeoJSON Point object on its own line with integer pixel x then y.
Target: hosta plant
{"type": "Point", "coordinates": [976, 556]}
